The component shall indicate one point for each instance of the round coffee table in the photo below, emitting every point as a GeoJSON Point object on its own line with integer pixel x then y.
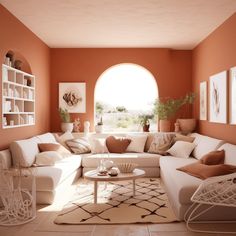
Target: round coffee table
{"type": "Point", "coordinates": [92, 175]}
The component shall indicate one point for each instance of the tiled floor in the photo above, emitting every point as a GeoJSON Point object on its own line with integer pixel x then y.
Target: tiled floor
{"type": "Point", "coordinates": [43, 226]}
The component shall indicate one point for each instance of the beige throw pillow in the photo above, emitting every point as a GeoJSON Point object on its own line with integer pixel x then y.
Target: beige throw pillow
{"type": "Point", "coordinates": [56, 147]}
{"type": "Point", "coordinates": [63, 138]}
{"type": "Point", "coordinates": [180, 137]}
{"type": "Point", "coordinates": [47, 158]}
{"type": "Point", "coordinates": [98, 145]}
{"type": "Point", "coordinates": [181, 149]}
{"type": "Point", "coordinates": [137, 143]}
{"type": "Point", "coordinates": [161, 143]}
{"type": "Point", "coordinates": [79, 145]}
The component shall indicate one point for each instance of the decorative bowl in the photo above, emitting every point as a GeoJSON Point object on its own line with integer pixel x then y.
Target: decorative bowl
{"type": "Point", "coordinates": [126, 167]}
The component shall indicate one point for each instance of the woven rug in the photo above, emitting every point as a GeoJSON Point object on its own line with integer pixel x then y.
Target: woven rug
{"type": "Point", "coordinates": [117, 205]}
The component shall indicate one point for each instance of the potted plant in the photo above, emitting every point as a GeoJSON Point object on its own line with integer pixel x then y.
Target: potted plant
{"type": "Point", "coordinates": [66, 125]}
{"type": "Point", "coordinates": [99, 126]}
{"type": "Point", "coordinates": [187, 125]}
{"type": "Point", "coordinates": [165, 109]}
{"type": "Point", "coordinates": [144, 121]}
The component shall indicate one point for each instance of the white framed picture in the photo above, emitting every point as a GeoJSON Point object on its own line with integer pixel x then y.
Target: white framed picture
{"type": "Point", "coordinates": [72, 96]}
{"type": "Point", "coordinates": [203, 100]}
{"type": "Point", "coordinates": [232, 103]}
{"type": "Point", "coordinates": [218, 98]}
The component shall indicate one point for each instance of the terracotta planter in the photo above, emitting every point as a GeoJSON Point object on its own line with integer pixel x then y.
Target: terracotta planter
{"type": "Point", "coordinates": [187, 125]}
{"type": "Point", "coordinates": [146, 128]}
{"type": "Point", "coordinates": [164, 125]}
{"type": "Point", "coordinates": [67, 127]}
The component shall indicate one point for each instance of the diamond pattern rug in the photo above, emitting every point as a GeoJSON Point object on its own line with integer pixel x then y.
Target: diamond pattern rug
{"type": "Point", "coordinates": [117, 205]}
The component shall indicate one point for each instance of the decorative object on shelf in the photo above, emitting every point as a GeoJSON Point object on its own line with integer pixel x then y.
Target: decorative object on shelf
{"type": "Point", "coordinates": [11, 122]}
{"type": "Point", "coordinates": [76, 125]}
{"type": "Point", "coordinates": [4, 121]}
{"type": "Point", "coordinates": [99, 126]}
{"type": "Point", "coordinates": [19, 205]}
{"type": "Point", "coordinates": [218, 98]}
{"type": "Point", "coordinates": [10, 58]}
{"type": "Point", "coordinates": [232, 96]}
{"type": "Point", "coordinates": [18, 64]}
{"type": "Point", "coordinates": [203, 100]}
{"type": "Point", "coordinates": [213, 192]}
{"type": "Point", "coordinates": [66, 125]}
{"type": "Point", "coordinates": [144, 121]}
{"type": "Point", "coordinates": [72, 96]}
{"type": "Point", "coordinates": [29, 82]}
{"type": "Point", "coordinates": [86, 127]}
{"type": "Point", "coordinates": [165, 109]}
{"type": "Point", "coordinates": [126, 167]}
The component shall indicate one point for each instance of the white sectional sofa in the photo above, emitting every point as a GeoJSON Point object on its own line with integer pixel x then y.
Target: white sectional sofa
{"type": "Point", "coordinates": [179, 185]}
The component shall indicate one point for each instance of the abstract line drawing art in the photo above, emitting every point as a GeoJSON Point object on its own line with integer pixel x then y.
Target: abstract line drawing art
{"type": "Point", "coordinates": [233, 96]}
{"type": "Point", "coordinates": [203, 100]}
{"type": "Point", "coordinates": [218, 98]}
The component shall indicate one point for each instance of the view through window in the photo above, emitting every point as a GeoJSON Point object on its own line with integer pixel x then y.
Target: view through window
{"type": "Point", "coordinates": [124, 94]}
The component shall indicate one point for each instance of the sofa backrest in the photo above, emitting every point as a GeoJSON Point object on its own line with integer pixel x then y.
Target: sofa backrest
{"type": "Point", "coordinates": [24, 151]}
{"type": "Point", "coordinates": [230, 153]}
{"type": "Point", "coordinates": [5, 159]}
{"type": "Point", "coordinates": [205, 144]}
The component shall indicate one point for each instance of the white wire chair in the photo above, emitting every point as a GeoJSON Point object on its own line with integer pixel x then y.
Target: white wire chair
{"type": "Point", "coordinates": [213, 192]}
{"type": "Point", "coordinates": [18, 205]}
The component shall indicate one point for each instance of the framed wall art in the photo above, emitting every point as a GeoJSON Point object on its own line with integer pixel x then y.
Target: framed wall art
{"type": "Point", "coordinates": [203, 100]}
{"type": "Point", "coordinates": [232, 99]}
{"type": "Point", "coordinates": [72, 96]}
{"type": "Point", "coordinates": [218, 98]}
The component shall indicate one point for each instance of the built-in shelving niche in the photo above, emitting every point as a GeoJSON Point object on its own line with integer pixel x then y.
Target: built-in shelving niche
{"type": "Point", "coordinates": [18, 92]}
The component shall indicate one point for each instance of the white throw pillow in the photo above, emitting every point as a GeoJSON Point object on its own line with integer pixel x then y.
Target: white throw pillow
{"type": "Point", "coordinates": [98, 145]}
{"type": "Point", "coordinates": [63, 138]}
{"type": "Point", "coordinates": [137, 143]}
{"type": "Point", "coordinates": [181, 149]}
{"type": "Point", "coordinates": [47, 158]}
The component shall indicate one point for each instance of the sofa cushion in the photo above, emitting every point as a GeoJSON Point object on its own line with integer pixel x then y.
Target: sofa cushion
{"type": "Point", "coordinates": [48, 158]}
{"type": "Point", "coordinates": [137, 143]}
{"type": "Point", "coordinates": [79, 145]}
{"type": "Point", "coordinates": [46, 138]}
{"type": "Point", "coordinates": [161, 143]}
{"type": "Point", "coordinates": [205, 144]}
{"type": "Point", "coordinates": [49, 177]}
{"type": "Point", "coordinates": [203, 171]}
{"type": "Point", "coordinates": [117, 144]}
{"type": "Point", "coordinates": [181, 137]}
{"type": "Point", "coordinates": [181, 149]}
{"type": "Point", "coordinates": [98, 145]}
{"type": "Point", "coordinates": [230, 153]}
{"type": "Point", "coordinates": [63, 138]}
{"type": "Point", "coordinates": [213, 158]}
{"type": "Point", "coordinates": [24, 151]}
{"type": "Point", "coordinates": [46, 147]}
{"type": "Point", "coordinates": [181, 185]}
{"type": "Point", "coordinates": [142, 159]}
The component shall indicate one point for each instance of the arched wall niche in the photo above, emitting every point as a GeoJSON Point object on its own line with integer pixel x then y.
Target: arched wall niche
{"type": "Point", "coordinates": [17, 56]}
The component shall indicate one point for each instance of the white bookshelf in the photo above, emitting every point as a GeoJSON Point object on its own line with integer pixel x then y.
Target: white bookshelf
{"type": "Point", "coordinates": [18, 98]}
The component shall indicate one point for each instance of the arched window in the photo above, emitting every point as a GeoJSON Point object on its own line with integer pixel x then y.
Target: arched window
{"type": "Point", "coordinates": [124, 93]}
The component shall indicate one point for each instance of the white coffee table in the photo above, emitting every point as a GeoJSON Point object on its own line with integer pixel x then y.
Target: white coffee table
{"type": "Point", "coordinates": [92, 175]}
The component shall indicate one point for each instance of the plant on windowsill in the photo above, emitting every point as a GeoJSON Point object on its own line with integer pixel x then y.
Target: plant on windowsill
{"type": "Point", "coordinates": [165, 109]}
{"type": "Point", "coordinates": [66, 124]}
{"type": "Point", "coordinates": [144, 121]}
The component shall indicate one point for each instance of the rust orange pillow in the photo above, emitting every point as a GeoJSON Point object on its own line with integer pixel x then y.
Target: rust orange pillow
{"type": "Point", "coordinates": [202, 171]}
{"type": "Point", "coordinates": [117, 144]}
{"type": "Point", "coordinates": [213, 158]}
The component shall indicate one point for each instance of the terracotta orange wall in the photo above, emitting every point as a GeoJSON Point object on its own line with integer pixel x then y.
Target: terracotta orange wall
{"type": "Point", "coordinates": [15, 36]}
{"type": "Point", "coordinates": [215, 54]}
{"type": "Point", "coordinates": [171, 68]}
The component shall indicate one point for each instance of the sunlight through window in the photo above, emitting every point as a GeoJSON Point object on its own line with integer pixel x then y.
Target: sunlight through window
{"type": "Point", "coordinates": [123, 94]}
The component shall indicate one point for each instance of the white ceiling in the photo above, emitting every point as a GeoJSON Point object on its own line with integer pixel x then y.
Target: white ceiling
{"type": "Point", "coordinates": [178, 24]}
